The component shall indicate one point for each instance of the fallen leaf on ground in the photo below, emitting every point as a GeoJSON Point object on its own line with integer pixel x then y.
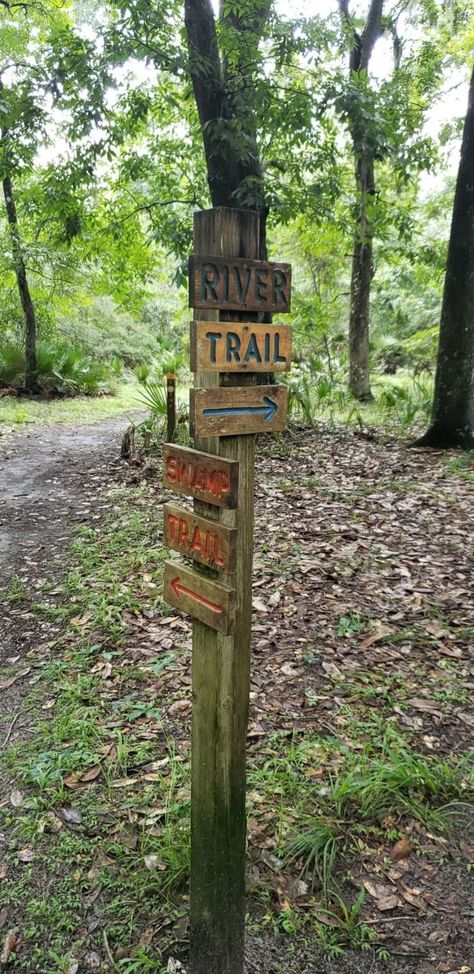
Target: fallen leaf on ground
{"type": "Point", "coordinates": [401, 849]}
{"type": "Point", "coordinates": [153, 862]}
{"type": "Point", "coordinates": [426, 705]}
{"type": "Point", "coordinates": [70, 815]}
{"type": "Point", "coordinates": [26, 855]}
{"type": "Point", "coordinates": [387, 902]}
{"type": "Point", "coordinates": [10, 680]}
{"type": "Point", "coordinates": [16, 798]}
{"type": "Point", "coordinates": [92, 773]}
{"type": "Point", "coordinates": [9, 945]}
{"type": "Point", "coordinates": [76, 780]}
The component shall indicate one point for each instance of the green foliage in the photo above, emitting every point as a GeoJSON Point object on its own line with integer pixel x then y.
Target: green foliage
{"type": "Point", "coordinates": [62, 370]}
{"type": "Point", "coordinates": [109, 333]}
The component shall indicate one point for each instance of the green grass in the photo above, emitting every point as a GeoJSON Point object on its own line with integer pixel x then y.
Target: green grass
{"type": "Point", "coordinates": [19, 412]}
{"type": "Point", "coordinates": [126, 862]}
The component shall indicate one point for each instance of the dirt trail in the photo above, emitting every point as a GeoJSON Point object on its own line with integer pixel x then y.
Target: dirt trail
{"type": "Point", "coordinates": [51, 479]}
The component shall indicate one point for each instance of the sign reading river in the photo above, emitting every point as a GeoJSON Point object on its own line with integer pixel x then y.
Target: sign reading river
{"type": "Point", "coordinates": [226, 284]}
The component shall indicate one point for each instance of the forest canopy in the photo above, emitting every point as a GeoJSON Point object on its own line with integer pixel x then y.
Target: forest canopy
{"type": "Point", "coordinates": [342, 128]}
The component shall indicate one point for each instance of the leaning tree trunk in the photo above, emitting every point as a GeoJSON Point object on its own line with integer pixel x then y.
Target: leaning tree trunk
{"type": "Point", "coordinates": [361, 279]}
{"type": "Point", "coordinates": [452, 423]}
{"type": "Point", "coordinates": [31, 382]}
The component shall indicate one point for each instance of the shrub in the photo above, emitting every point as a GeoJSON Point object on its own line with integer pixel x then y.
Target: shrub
{"type": "Point", "coordinates": [62, 369]}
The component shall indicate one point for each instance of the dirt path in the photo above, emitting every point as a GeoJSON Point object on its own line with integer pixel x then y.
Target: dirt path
{"type": "Point", "coordinates": [51, 479]}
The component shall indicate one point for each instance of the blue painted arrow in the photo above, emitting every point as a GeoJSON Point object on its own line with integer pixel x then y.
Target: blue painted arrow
{"type": "Point", "coordinates": [268, 410]}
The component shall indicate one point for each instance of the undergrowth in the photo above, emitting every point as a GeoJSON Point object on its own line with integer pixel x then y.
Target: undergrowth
{"type": "Point", "coordinates": [105, 792]}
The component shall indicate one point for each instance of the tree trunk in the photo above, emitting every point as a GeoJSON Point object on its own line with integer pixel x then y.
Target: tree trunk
{"type": "Point", "coordinates": [452, 423]}
{"type": "Point", "coordinates": [362, 45]}
{"type": "Point", "coordinates": [361, 278]}
{"type": "Point", "coordinates": [31, 382]}
{"type": "Point", "coordinates": [220, 101]}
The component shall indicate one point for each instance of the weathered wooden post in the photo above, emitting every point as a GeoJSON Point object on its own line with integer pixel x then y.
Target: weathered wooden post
{"type": "Point", "coordinates": [171, 405]}
{"type": "Point", "coordinates": [227, 409]}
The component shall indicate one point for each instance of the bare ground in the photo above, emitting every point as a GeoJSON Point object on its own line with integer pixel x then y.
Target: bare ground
{"type": "Point", "coordinates": [349, 543]}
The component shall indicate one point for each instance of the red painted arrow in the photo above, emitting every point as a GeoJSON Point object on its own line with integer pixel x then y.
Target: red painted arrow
{"type": "Point", "coordinates": [179, 589]}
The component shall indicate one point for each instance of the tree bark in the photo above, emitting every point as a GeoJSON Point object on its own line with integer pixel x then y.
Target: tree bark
{"type": "Point", "coordinates": [361, 279]}
{"type": "Point", "coordinates": [362, 46]}
{"type": "Point", "coordinates": [31, 366]}
{"type": "Point", "coordinates": [224, 97]}
{"type": "Point", "coordinates": [452, 422]}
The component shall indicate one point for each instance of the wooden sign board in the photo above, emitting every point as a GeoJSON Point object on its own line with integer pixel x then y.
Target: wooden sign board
{"type": "Point", "coordinates": [207, 601]}
{"type": "Point", "coordinates": [234, 411]}
{"type": "Point", "coordinates": [206, 541]}
{"type": "Point", "coordinates": [201, 475]}
{"type": "Point", "coordinates": [235, 284]}
{"type": "Point", "coordinates": [240, 347]}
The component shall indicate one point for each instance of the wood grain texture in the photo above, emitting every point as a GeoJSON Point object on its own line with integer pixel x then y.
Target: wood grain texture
{"type": "Point", "coordinates": [238, 411]}
{"type": "Point", "coordinates": [202, 598]}
{"type": "Point", "coordinates": [229, 284]}
{"type": "Point", "coordinates": [240, 347]}
{"type": "Point", "coordinates": [221, 678]}
{"type": "Point", "coordinates": [201, 475]}
{"type": "Point", "coordinates": [206, 541]}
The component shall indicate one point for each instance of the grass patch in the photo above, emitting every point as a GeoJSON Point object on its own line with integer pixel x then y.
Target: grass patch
{"type": "Point", "coordinates": [18, 412]}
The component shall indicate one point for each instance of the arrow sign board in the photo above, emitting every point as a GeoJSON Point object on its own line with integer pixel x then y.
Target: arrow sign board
{"type": "Point", "coordinates": [211, 479]}
{"type": "Point", "coordinates": [234, 410]}
{"type": "Point", "coordinates": [207, 601]}
{"type": "Point", "coordinates": [235, 284]}
{"type": "Point", "coordinates": [239, 347]}
{"type": "Point", "coordinates": [206, 541]}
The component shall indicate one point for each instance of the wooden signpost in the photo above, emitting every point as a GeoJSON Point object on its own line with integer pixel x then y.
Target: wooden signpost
{"type": "Point", "coordinates": [227, 284]}
{"type": "Point", "coordinates": [208, 542]}
{"type": "Point", "coordinates": [227, 409]}
{"type": "Point", "coordinates": [239, 347]}
{"type": "Point", "coordinates": [233, 411]}
{"type": "Point", "coordinates": [201, 475]}
{"type": "Point", "coordinates": [212, 604]}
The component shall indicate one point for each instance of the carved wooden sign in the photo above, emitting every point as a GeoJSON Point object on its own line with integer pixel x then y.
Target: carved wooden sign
{"type": "Point", "coordinates": [240, 347]}
{"type": "Point", "coordinates": [210, 602]}
{"type": "Point", "coordinates": [237, 284]}
{"type": "Point", "coordinates": [201, 475]}
{"type": "Point", "coordinates": [233, 411]}
{"type": "Point", "coordinates": [208, 542]}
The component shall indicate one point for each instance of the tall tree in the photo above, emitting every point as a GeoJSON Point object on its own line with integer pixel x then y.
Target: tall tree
{"type": "Point", "coordinates": [44, 65]}
{"type": "Point", "coordinates": [452, 423]}
{"type": "Point", "coordinates": [362, 44]}
{"type": "Point", "coordinates": [19, 264]}
{"type": "Point", "coordinates": [223, 67]}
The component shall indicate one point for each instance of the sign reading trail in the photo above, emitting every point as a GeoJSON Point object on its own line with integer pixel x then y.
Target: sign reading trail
{"type": "Point", "coordinates": [206, 541]}
{"type": "Point", "coordinates": [235, 284]}
{"type": "Point", "coordinates": [239, 347]}
{"type": "Point", "coordinates": [234, 411]}
{"type": "Point", "coordinates": [201, 475]}
{"type": "Point", "coordinates": [208, 601]}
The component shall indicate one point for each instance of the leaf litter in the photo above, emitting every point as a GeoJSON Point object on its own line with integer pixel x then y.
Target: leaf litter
{"type": "Point", "coordinates": [362, 580]}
